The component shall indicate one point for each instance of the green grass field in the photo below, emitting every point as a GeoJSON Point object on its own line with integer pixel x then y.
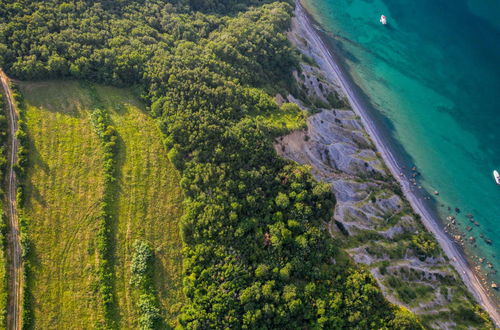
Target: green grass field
{"type": "Point", "coordinates": [288, 118]}
{"type": "Point", "coordinates": [148, 205]}
{"type": "Point", "coordinates": [64, 187]}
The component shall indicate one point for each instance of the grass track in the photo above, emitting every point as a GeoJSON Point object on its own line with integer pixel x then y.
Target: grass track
{"type": "Point", "coordinates": [65, 185]}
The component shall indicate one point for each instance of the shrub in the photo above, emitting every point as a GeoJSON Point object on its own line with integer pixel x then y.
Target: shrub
{"type": "Point", "coordinates": [424, 244]}
{"type": "Point", "coordinates": [141, 278]}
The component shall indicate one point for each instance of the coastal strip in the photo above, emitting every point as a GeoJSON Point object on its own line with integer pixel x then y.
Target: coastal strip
{"type": "Point", "coordinates": [331, 67]}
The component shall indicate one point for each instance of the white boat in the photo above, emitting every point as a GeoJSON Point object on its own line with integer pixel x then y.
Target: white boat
{"type": "Point", "coordinates": [383, 20]}
{"type": "Point", "coordinates": [497, 177]}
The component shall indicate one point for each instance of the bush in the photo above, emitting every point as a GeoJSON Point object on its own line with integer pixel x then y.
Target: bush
{"type": "Point", "coordinates": [425, 245]}
{"type": "Point", "coordinates": [141, 279]}
{"type": "Point", "coordinates": [141, 264]}
{"type": "Point", "coordinates": [150, 313]}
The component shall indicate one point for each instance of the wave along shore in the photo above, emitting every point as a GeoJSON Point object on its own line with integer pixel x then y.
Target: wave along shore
{"type": "Point", "coordinates": [430, 221]}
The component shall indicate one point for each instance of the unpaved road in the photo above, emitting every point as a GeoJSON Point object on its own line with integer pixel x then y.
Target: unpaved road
{"type": "Point", "coordinates": [15, 273]}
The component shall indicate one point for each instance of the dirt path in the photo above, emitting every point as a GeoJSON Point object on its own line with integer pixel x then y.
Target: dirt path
{"type": "Point", "coordinates": [15, 273]}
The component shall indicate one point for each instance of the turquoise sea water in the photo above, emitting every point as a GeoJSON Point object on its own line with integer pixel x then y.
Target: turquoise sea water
{"type": "Point", "coordinates": [433, 77]}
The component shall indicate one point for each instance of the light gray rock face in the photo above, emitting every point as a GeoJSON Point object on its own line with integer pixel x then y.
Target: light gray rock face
{"type": "Point", "coordinates": [384, 206]}
{"type": "Point", "coordinates": [349, 191]}
{"type": "Point", "coordinates": [340, 153]}
{"type": "Point", "coordinates": [339, 144]}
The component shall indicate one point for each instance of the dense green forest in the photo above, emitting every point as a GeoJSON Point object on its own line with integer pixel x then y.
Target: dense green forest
{"type": "Point", "coordinates": [257, 253]}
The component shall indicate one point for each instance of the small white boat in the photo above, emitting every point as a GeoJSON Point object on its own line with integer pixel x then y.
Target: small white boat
{"type": "Point", "coordinates": [497, 177]}
{"type": "Point", "coordinates": [383, 20]}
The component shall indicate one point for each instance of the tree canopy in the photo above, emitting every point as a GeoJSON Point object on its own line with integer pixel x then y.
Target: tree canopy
{"type": "Point", "coordinates": [257, 253]}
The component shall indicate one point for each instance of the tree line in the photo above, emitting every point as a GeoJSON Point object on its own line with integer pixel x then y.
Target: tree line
{"type": "Point", "coordinates": [24, 233]}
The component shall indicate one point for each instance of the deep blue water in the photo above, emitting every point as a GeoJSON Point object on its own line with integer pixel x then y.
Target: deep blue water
{"type": "Point", "coordinates": [433, 76]}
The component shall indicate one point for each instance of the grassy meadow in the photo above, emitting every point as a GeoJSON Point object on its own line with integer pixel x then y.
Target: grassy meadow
{"type": "Point", "coordinates": [148, 205]}
{"type": "Point", "coordinates": [64, 188]}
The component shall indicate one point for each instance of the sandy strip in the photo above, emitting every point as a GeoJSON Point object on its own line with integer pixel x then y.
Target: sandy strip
{"type": "Point", "coordinates": [331, 68]}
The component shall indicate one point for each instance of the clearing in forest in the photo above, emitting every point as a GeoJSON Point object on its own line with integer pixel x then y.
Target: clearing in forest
{"type": "Point", "coordinates": [148, 206]}
{"type": "Point", "coordinates": [64, 188]}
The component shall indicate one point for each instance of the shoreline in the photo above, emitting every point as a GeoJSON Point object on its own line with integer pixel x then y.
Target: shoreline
{"type": "Point", "coordinates": [430, 221]}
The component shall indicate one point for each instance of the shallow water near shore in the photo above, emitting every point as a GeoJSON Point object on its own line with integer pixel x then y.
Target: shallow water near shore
{"type": "Point", "coordinates": [433, 76]}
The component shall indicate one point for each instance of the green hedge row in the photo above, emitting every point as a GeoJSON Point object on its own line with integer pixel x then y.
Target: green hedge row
{"type": "Point", "coordinates": [107, 134]}
{"type": "Point", "coordinates": [22, 148]}
{"type": "Point", "coordinates": [27, 298]}
{"type": "Point", "coordinates": [142, 280]}
{"type": "Point", "coordinates": [20, 170]}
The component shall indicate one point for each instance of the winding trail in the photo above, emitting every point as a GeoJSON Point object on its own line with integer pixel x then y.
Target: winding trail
{"type": "Point", "coordinates": [15, 273]}
{"type": "Point", "coordinates": [331, 67]}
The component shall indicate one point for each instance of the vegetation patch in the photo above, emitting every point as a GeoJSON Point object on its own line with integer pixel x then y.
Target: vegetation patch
{"type": "Point", "coordinates": [142, 279]}
{"type": "Point", "coordinates": [283, 119]}
{"type": "Point", "coordinates": [23, 148]}
{"type": "Point", "coordinates": [410, 293]}
{"type": "Point", "coordinates": [27, 259]}
{"type": "Point", "coordinates": [24, 234]}
{"type": "Point", "coordinates": [425, 245]}
{"type": "Point", "coordinates": [107, 135]}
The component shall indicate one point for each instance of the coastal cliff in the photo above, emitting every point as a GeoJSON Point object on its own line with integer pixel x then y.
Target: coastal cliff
{"type": "Point", "coordinates": [373, 220]}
